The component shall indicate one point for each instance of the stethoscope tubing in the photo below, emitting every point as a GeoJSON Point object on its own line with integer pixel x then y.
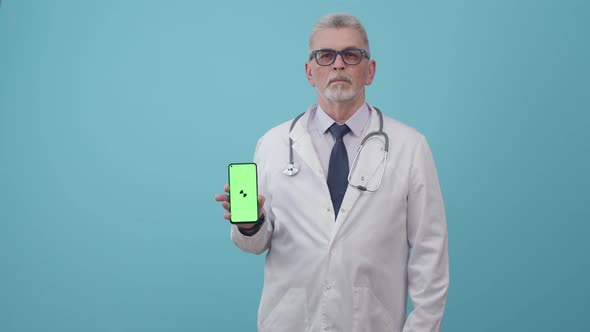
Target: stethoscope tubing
{"type": "Point", "coordinates": [292, 169]}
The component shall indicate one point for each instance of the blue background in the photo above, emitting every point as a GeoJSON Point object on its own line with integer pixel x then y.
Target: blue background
{"type": "Point", "coordinates": [118, 118]}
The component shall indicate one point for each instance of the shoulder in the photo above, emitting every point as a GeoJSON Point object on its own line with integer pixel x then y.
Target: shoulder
{"type": "Point", "coordinates": [275, 137]}
{"type": "Point", "coordinates": [400, 131]}
{"type": "Point", "coordinates": [277, 133]}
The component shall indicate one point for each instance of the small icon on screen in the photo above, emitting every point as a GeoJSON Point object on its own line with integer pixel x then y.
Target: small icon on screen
{"type": "Point", "coordinates": [243, 193]}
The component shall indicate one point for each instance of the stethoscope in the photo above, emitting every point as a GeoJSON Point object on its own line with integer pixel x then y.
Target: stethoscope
{"type": "Point", "coordinates": [292, 169]}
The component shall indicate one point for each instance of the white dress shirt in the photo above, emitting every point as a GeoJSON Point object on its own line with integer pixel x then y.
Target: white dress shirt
{"type": "Point", "coordinates": [323, 141]}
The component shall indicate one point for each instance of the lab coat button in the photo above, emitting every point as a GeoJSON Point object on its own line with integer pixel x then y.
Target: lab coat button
{"type": "Point", "coordinates": [328, 287]}
{"type": "Point", "coordinates": [342, 210]}
{"type": "Point", "coordinates": [326, 328]}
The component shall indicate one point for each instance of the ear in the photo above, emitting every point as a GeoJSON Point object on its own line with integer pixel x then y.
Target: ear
{"type": "Point", "coordinates": [308, 73]}
{"type": "Point", "coordinates": [371, 73]}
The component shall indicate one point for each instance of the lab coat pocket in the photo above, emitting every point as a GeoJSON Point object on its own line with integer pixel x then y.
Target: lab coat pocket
{"type": "Point", "coordinates": [290, 313]}
{"type": "Point", "coordinates": [369, 313]}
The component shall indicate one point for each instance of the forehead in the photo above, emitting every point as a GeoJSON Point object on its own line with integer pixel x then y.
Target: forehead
{"type": "Point", "coordinates": [337, 39]}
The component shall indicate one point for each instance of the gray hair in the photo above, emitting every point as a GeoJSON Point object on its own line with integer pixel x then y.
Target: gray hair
{"type": "Point", "coordinates": [339, 20]}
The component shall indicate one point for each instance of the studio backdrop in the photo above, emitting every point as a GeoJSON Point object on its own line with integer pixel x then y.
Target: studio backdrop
{"type": "Point", "coordinates": [118, 120]}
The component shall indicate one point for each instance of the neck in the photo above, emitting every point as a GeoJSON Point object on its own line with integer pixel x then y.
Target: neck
{"type": "Point", "coordinates": [341, 111]}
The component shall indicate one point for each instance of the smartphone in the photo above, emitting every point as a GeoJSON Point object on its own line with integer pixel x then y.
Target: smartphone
{"type": "Point", "coordinates": [243, 193]}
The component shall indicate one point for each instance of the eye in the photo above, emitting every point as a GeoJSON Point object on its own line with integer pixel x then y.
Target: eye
{"type": "Point", "coordinates": [352, 55]}
{"type": "Point", "coordinates": [325, 55]}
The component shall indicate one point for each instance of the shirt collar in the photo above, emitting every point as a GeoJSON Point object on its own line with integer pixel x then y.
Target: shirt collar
{"type": "Point", "coordinates": [356, 122]}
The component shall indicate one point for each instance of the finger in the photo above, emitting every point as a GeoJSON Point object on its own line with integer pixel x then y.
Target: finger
{"type": "Point", "coordinates": [222, 197]}
{"type": "Point", "coordinates": [261, 200]}
{"type": "Point", "coordinates": [227, 216]}
{"type": "Point", "coordinates": [225, 205]}
{"type": "Point", "coordinates": [226, 188]}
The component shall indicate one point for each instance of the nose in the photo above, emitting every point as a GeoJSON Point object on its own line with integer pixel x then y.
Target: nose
{"type": "Point", "coordinates": [338, 63]}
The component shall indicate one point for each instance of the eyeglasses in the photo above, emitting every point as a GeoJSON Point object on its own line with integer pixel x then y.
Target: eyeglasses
{"type": "Point", "coordinates": [350, 56]}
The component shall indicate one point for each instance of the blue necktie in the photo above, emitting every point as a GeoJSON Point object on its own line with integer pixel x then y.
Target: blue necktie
{"type": "Point", "coordinates": [338, 169]}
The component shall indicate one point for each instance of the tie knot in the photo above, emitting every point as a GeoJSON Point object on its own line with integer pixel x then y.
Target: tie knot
{"type": "Point", "coordinates": [338, 131]}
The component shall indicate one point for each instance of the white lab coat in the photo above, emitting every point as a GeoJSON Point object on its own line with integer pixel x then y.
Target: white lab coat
{"type": "Point", "coordinates": [354, 274]}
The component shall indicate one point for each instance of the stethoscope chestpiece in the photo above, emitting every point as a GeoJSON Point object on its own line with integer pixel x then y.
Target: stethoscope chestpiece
{"type": "Point", "coordinates": [291, 169]}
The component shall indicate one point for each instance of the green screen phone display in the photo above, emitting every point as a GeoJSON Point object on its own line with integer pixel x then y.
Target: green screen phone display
{"type": "Point", "coordinates": [243, 192]}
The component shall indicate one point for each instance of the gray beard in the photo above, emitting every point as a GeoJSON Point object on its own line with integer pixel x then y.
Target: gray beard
{"type": "Point", "coordinates": [338, 94]}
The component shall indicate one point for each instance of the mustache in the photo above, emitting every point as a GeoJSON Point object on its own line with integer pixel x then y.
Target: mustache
{"type": "Point", "coordinates": [340, 77]}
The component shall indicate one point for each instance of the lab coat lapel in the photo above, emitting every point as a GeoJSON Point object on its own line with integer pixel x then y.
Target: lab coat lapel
{"type": "Point", "coordinates": [303, 146]}
{"type": "Point", "coordinates": [369, 158]}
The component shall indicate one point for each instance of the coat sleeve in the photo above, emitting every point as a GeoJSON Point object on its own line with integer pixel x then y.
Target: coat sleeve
{"type": "Point", "coordinates": [259, 242]}
{"type": "Point", "coordinates": [428, 265]}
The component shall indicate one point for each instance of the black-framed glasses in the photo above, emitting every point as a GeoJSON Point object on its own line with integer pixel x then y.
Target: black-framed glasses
{"type": "Point", "coordinates": [350, 56]}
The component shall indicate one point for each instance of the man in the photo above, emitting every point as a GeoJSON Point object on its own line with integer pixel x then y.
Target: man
{"type": "Point", "coordinates": [346, 238]}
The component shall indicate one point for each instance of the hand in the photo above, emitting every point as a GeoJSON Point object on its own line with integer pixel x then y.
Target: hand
{"type": "Point", "coordinates": [224, 199]}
